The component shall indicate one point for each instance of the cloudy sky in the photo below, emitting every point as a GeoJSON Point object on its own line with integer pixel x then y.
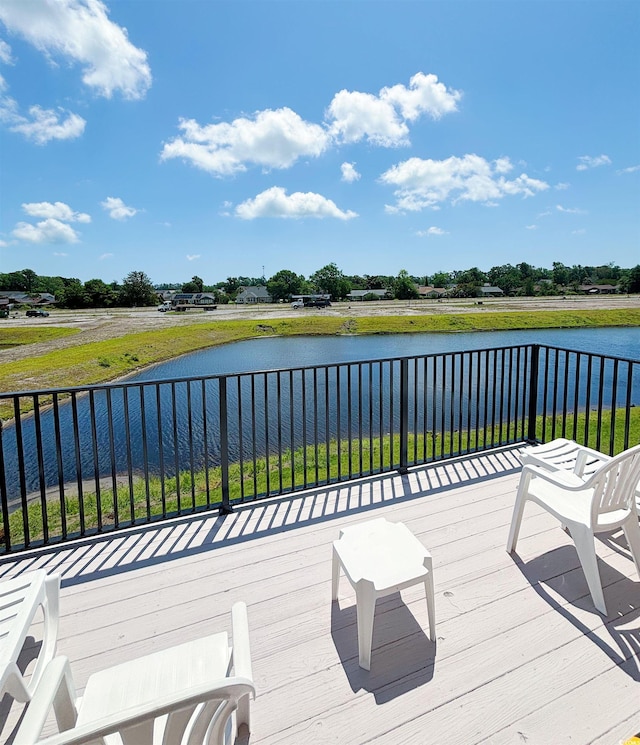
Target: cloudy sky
{"type": "Point", "coordinates": [240, 138]}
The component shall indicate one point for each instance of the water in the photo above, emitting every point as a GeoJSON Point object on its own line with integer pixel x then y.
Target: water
{"type": "Point", "coordinates": [275, 353]}
{"type": "Point", "coordinates": [110, 424]}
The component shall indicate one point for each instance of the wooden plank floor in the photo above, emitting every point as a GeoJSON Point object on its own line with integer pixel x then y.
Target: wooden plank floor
{"type": "Point", "coordinates": [521, 655]}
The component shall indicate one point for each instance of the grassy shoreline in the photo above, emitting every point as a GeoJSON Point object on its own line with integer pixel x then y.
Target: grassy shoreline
{"type": "Point", "coordinates": [157, 499]}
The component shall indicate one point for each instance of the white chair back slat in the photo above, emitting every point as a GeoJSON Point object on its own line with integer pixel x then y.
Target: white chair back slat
{"type": "Point", "coordinates": [615, 484]}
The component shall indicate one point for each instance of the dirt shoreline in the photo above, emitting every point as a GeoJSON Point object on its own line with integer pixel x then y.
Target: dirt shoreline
{"type": "Point", "coordinates": [103, 324]}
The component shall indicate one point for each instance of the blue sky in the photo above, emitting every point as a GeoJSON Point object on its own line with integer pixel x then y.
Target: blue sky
{"type": "Point", "coordinates": [195, 137]}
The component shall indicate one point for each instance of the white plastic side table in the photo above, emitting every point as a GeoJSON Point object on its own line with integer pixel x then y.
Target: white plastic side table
{"type": "Point", "coordinates": [379, 558]}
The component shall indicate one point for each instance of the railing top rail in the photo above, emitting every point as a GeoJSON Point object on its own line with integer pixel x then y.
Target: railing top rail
{"type": "Point", "coordinates": [588, 354]}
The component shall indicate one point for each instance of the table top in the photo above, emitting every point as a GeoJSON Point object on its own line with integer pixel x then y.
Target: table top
{"type": "Point", "coordinates": [385, 553]}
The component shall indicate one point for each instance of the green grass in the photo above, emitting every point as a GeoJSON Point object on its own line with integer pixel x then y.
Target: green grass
{"type": "Point", "coordinates": [16, 337]}
{"type": "Point", "coordinates": [104, 361]}
{"type": "Point", "coordinates": [156, 498]}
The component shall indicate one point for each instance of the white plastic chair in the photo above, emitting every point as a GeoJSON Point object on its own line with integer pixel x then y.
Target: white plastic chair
{"type": "Point", "coordinates": [20, 599]}
{"type": "Point", "coordinates": [185, 695]}
{"type": "Point", "coordinates": [600, 503]}
{"type": "Point", "coordinates": [567, 457]}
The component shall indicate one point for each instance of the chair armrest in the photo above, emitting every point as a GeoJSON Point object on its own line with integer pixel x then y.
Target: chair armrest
{"type": "Point", "coordinates": [586, 454]}
{"type": "Point", "coordinates": [559, 478]}
{"type": "Point", "coordinates": [225, 689]}
{"type": "Point", "coordinates": [55, 690]}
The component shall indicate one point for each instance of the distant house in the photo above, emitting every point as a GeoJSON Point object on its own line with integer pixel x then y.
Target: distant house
{"type": "Point", "coordinates": [359, 294]}
{"type": "Point", "coordinates": [427, 291]}
{"type": "Point", "coordinates": [598, 289]}
{"type": "Point", "coordinates": [487, 290]}
{"type": "Point", "coordinates": [251, 295]}
{"type": "Point", "coordinates": [34, 299]}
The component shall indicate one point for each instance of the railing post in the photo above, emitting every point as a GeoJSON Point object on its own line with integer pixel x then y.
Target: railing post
{"type": "Point", "coordinates": [533, 393]}
{"type": "Point", "coordinates": [404, 416]}
{"type": "Point", "coordinates": [225, 507]}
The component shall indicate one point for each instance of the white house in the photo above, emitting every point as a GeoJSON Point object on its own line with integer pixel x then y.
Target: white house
{"type": "Point", "coordinates": [250, 295]}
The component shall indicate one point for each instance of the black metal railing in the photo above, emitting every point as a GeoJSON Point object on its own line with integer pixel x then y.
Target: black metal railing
{"type": "Point", "coordinates": [81, 461]}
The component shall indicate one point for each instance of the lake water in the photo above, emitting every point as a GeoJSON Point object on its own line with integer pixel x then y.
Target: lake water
{"type": "Point", "coordinates": [110, 426]}
{"type": "Point", "coordinates": [278, 352]}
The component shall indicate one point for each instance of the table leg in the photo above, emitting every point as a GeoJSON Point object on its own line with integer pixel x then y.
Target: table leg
{"type": "Point", "coordinates": [431, 605]}
{"type": "Point", "coordinates": [335, 575]}
{"type": "Point", "coordinates": [366, 608]}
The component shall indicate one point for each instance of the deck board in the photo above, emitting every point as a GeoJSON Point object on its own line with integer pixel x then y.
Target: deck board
{"type": "Point", "coordinates": [521, 655]}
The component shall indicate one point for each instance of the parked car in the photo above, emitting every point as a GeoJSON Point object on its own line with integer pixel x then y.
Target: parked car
{"type": "Point", "coordinates": [37, 313]}
{"type": "Point", "coordinates": [296, 304]}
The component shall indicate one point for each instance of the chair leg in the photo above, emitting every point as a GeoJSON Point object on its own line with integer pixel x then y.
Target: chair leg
{"type": "Point", "coordinates": [366, 608]}
{"type": "Point", "coordinates": [518, 509]}
{"type": "Point", "coordinates": [585, 546]}
{"type": "Point", "coordinates": [632, 534]}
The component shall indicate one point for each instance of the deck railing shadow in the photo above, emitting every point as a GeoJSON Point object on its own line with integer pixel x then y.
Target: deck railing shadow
{"type": "Point", "coordinates": [106, 555]}
{"type": "Point", "coordinates": [559, 570]}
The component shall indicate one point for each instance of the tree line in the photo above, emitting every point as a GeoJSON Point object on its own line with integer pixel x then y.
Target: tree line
{"type": "Point", "coordinates": [136, 289]}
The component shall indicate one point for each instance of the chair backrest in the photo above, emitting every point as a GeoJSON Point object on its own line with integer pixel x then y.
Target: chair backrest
{"type": "Point", "coordinates": [614, 484]}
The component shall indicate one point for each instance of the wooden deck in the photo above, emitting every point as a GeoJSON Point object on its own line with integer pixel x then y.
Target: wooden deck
{"type": "Point", "coordinates": [521, 654]}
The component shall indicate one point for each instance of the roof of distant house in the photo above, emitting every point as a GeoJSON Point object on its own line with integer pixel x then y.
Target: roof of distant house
{"type": "Point", "coordinates": [363, 293]}
{"type": "Point", "coordinates": [28, 298]}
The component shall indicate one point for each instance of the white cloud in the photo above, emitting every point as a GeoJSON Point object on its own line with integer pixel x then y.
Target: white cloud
{"type": "Point", "coordinates": [3, 244]}
{"type": "Point", "coordinates": [41, 125]}
{"type": "Point", "coordinates": [531, 227]}
{"type": "Point", "coordinates": [349, 172]}
{"type": "Point", "coordinates": [425, 183]}
{"type": "Point", "coordinates": [55, 210]}
{"type": "Point", "coordinates": [630, 169]}
{"type": "Point", "coordinates": [278, 138]}
{"type": "Point", "coordinates": [60, 253]}
{"type": "Point", "coordinates": [581, 231]}
{"type": "Point", "coordinates": [382, 119]}
{"type": "Point", "coordinates": [589, 161]}
{"type": "Point", "coordinates": [46, 231]}
{"type": "Point", "coordinates": [433, 230]}
{"type": "Point", "coordinates": [274, 202]}
{"type": "Point", "coordinates": [571, 210]}
{"type": "Point", "coordinates": [192, 257]}
{"type": "Point", "coordinates": [562, 186]}
{"type": "Point", "coordinates": [80, 30]}
{"type": "Point", "coordinates": [102, 257]}
{"type": "Point", "coordinates": [5, 53]}
{"type": "Point", "coordinates": [117, 209]}
{"type": "Point", "coordinates": [358, 115]}
{"type": "Point", "coordinates": [271, 139]}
